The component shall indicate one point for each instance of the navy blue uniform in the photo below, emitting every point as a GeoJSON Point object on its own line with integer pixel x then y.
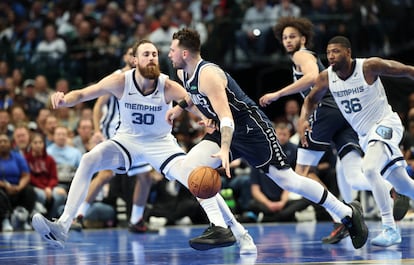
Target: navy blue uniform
{"type": "Point", "coordinates": [254, 138]}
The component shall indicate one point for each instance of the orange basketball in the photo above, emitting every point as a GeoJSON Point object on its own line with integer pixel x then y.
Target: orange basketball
{"type": "Point", "coordinates": [204, 182]}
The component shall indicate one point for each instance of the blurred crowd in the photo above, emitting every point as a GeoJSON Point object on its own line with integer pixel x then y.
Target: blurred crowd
{"type": "Point", "coordinates": [82, 40]}
{"type": "Point", "coordinates": [48, 46]}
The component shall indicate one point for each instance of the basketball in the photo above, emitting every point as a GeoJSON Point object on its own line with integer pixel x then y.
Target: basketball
{"type": "Point", "coordinates": [204, 182]}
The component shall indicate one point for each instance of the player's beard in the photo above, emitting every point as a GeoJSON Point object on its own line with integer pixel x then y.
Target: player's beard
{"type": "Point", "coordinates": [297, 48]}
{"type": "Point", "coordinates": [151, 71]}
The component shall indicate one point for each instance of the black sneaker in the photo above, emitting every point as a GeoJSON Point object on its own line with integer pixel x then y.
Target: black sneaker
{"type": "Point", "coordinates": [213, 237]}
{"type": "Point", "coordinates": [141, 227]}
{"type": "Point", "coordinates": [401, 204]}
{"type": "Point", "coordinates": [336, 235]}
{"type": "Point", "coordinates": [77, 224]}
{"type": "Point", "coordinates": [356, 226]}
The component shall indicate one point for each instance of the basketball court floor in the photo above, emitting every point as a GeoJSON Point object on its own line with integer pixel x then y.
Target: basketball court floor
{"type": "Point", "coordinates": [293, 243]}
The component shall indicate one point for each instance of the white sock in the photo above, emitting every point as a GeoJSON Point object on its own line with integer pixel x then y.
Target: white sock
{"type": "Point", "coordinates": [136, 214]}
{"type": "Point", "coordinates": [237, 228]}
{"type": "Point", "coordinates": [213, 212]}
{"type": "Point", "coordinates": [336, 207]}
{"type": "Point", "coordinates": [83, 209]}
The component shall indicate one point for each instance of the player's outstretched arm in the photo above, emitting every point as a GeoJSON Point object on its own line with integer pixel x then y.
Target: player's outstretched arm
{"type": "Point", "coordinates": [375, 66]}
{"type": "Point", "coordinates": [308, 66]}
{"type": "Point", "coordinates": [112, 84]}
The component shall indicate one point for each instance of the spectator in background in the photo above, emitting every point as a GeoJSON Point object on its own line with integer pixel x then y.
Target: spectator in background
{"type": "Point", "coordinates": [317, 13]}
{"type": "Point", "coordinates": [285, 8]}
{"type": "Point", "coordinates": [4, 71]}
{"type": "Point", "coordinates": [25, 47]}
{"type": "Point", "coordinates": [62, 85]}
{"type": "Point", "coordinates": [83, 140]}
{"type": "Point", "coordinates": [221, 37]}
{"type": "Point", "coordinates": [43, 177]}
{"type": "Point", "coordinates": [161, 37]}
{"type": "Point", "coordinates": [18, 117]}
{"type": "Point", "coordinates": [202, 10]}
{"type": "Point", "coordinates": [79, 53]}
{"type": "Point", "coordinates": [140, 33]}
{"type": "Point", "coordinates": [14, 180]}
{"type": "Point", "coordinates": [6, 99]}
{"type": "Point", "coordinates": [187, 21]}
{"type": "Point", "coordinates": [41, 120]}
{"type": "Point", "coordinates": [17, 76]}
{"type": "Point", "coordinates": [5, 127]}
{"type": "Point", "coordinates": [257, 20]}
{"type": "Point", "coordinates": [21, 139]}
{"type": "Point", "coordinates": [42, 89]}
{"type": "Point", "coordinates": [272, 201]}
{"type": "Point", "coordinates": [50, 52]}
{"type": "Point", "coordinates": [106, 49]}
{"type": "Point", "coordinates": [283, 133]}
{"type": "Point", "coordinates": [172, 201]}
{"type": "Point", "coordinates": [67, 157]}
{"type": "Point", "coordinates": [28, 101]}
{"type": "Point", "coordinates": [51, 123]}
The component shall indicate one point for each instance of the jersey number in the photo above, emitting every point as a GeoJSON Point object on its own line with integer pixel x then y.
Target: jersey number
{"type": "Point", "coordinates": [351, 105]}
{"type": "Point", "coordinates": [139, 118]}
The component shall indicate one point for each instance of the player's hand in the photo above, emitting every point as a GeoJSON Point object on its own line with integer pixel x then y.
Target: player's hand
{"type": "Point", "coordinates": [209, 123]}
{"type": "Point", "coordinates": [172, 114]}
{"type": "Point", "coordinates": [57, 99]}
{"type": "Point", "coordinates": [268, 98]}
{"type": "Point", "coordinates": [225, 163]}
{"type": "Point", "coordinates": [303, 129]}
{"type": "Point", "coordinates": [97, 137]}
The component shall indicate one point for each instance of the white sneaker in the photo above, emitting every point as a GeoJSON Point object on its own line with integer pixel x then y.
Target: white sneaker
{"type": "Point", "coordinates": [246, 244]}
{"type": "Point", "coordinates": [388, 237]}
{"type": "Point", "coordinates": [52, 232]}
{"type": "Point", "coordinates": [6, 225]}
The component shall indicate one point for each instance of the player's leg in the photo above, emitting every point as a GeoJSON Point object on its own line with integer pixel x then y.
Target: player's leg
{"type": "Point", "coordinates": [307, 161]}
{"type": "Point", "coordinates": [105, 155]}
{"type": "Point", "coordinates": [374, 160]}
{"type": "Point", "coordinates": [140, 197]}
{"type": "Point", "coordinates": [351, 215]}
{"type": "Point", "coordinates": [103, 177]}
{"type": "Point", "coordinates": [220, 216]}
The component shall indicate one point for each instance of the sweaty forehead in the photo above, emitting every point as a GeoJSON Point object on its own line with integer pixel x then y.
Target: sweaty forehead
{"type": "Point", "coordinates": [147, 47]}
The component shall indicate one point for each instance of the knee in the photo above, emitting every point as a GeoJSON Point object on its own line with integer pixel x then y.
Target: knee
{"type": "Point", "coordinates": [370, 171]}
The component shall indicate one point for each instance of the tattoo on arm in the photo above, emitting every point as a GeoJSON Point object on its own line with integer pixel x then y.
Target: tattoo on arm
{"type": "Point", "coordinates": [226, 136]}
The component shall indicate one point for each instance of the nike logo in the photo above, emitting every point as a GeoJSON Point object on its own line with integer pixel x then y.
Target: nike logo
{"type": "Point", "coordinates": [131, 93]}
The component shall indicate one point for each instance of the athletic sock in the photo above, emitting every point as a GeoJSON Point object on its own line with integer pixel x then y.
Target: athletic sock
{"type": "Point", "coordinates": [136, 214]}
{"type": "Point", "coordinates": [213, 212]}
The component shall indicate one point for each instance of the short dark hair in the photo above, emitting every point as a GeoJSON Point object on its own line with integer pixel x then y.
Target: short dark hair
{"type": "Point", "coordinates": [344, 41]}
{"type": "Point", "coordinates": [188, 39]}
{"type": "Point", "coordinates": [303, 25]}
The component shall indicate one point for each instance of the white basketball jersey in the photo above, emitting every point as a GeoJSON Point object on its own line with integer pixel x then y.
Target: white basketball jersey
{"type": "Point", "coordinates": [143, 115]}
{"type": "Point", "coordinates": [361, 104]}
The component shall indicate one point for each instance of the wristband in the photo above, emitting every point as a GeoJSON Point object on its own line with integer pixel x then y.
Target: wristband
{"type": "Point", "coordinates": [183, 104]}
{"type": "Point", "coordinates": [226, 122]}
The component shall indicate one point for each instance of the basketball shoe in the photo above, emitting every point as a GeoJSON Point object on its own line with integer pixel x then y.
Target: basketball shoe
{"type": "Point", "coordinates": [213, 237]}
{"type": "Point", "coordinates": [401, 205]}
{"type": "Point", "coordinates": [141, 227]}
{"type": "Point", "coordinates": [246, 244]}
{"type": "Point", "coordinates": [52, 232]}
{"type": "Point", "coordinates": [388, 237]}
{"type": "Point", "coordinates": [339, 233]}
{"type": "Point", "coordinates": [77, 224]}
{"type": "Point", "coordinates": [356, 226]}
